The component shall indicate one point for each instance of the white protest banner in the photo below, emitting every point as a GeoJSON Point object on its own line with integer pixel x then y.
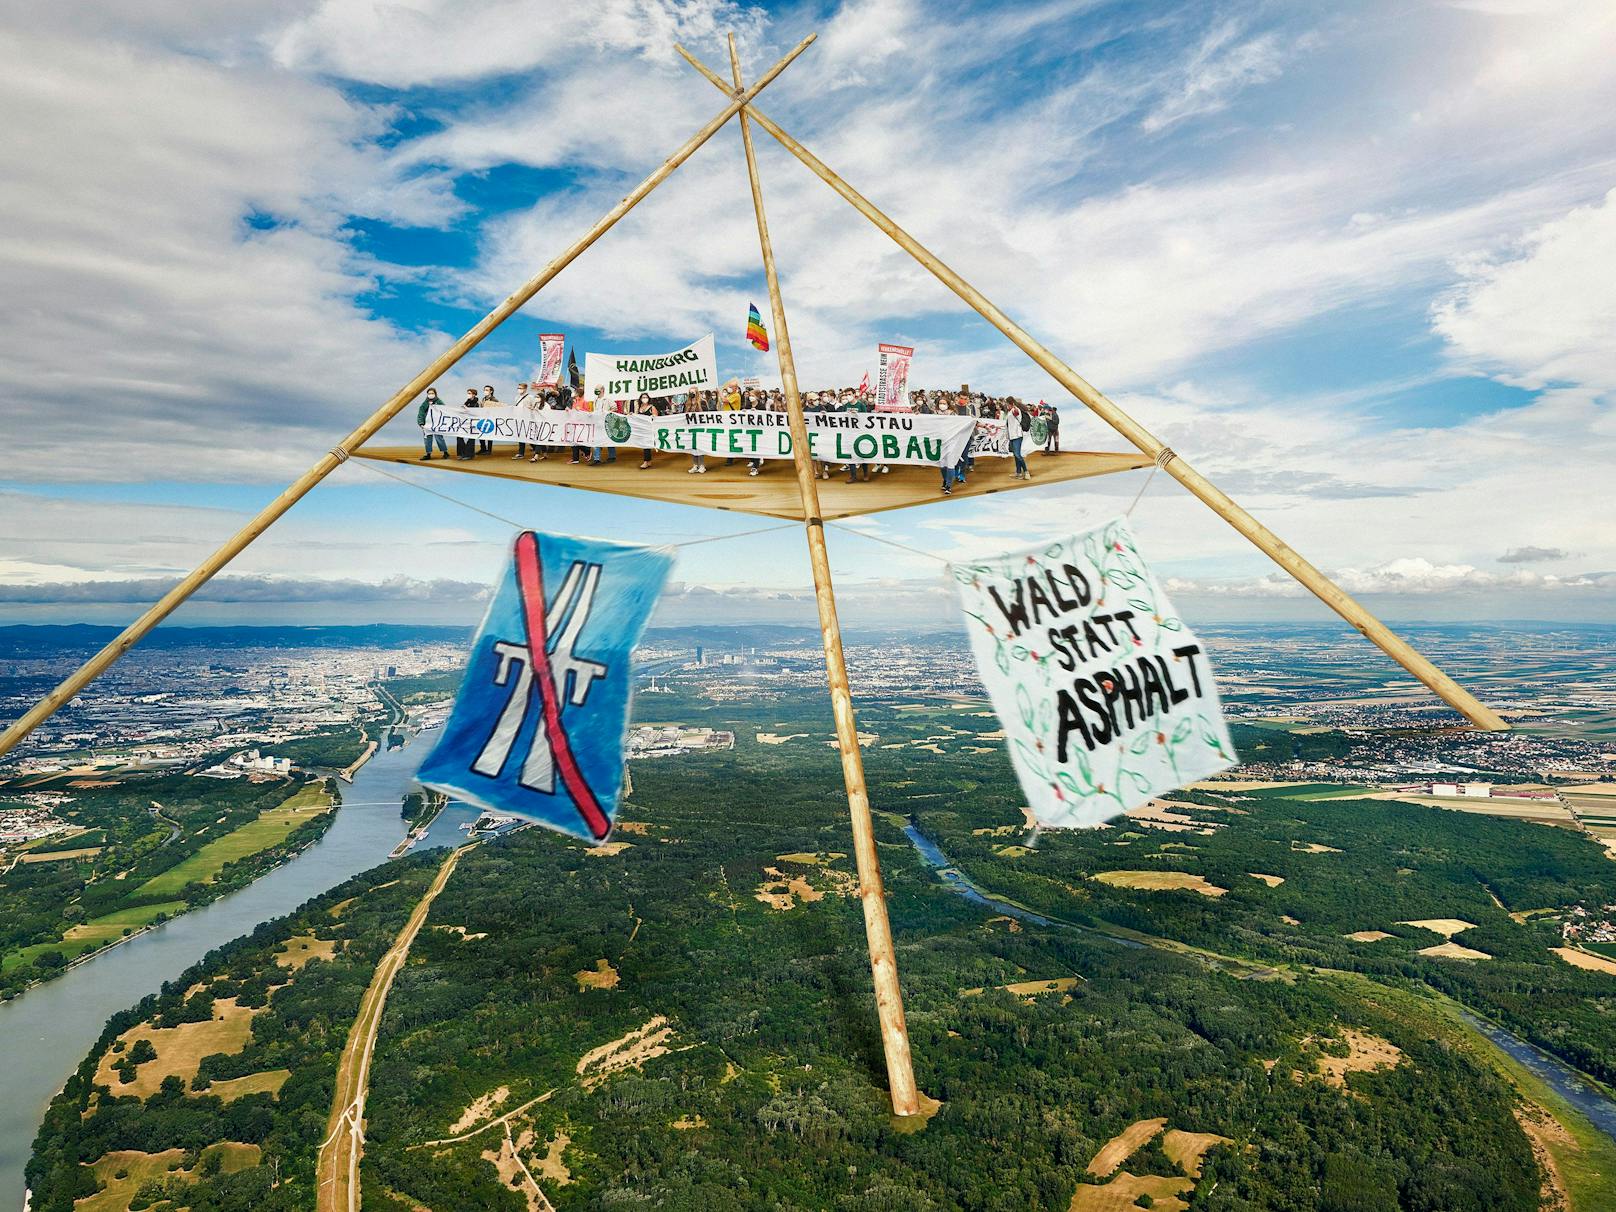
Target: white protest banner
{"type": "Point", "coordinates": [507, 423]}
{"type": "Point", "coordinates": [629, 376]}
{"type": "Point", "coordinates": [892, 382]}
{"type": "Point", "coordinates": [551, 345]}
{"type": "Point", "coordinates": [990, 441]}
{"type": "Point", "coordinates": [837, 437]}
{"type": "Point", "coordinates": [1105, 696]}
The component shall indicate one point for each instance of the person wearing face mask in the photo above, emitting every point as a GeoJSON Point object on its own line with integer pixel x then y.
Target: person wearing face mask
{"type": "Point", "coordinates": [466, 448]}
{"type": "Point", "coordinates": [645, 408]}
{"type": "Point", "coordinates": [430, 400]}
{"type": "Point", "coordinates": [812, 406]}
{"type": "Point", "coordinates": [486, 445]}
{"type": "Point", "coordinates": [852, 402]}
{"type": "Point", "coordinates": [530, 401]}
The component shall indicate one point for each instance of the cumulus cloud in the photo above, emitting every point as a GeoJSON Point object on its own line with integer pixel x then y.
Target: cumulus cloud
{"type": "Point", "coordinates": [1546, 314]}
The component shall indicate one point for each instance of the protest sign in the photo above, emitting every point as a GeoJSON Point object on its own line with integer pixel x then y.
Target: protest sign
{"type": "Point", "coordinates": [837, 437]}
{"type": "Point", "coordinates": [1105, 696]}
{"type": "Point", "coordinates": [628, 376]}
{"type": "Point", "coordinates": [507, 423]}
{"type": "Point", "coordinates": [538, 723]}
{"type": "Point", "coordinates": [551, 345]}
{"type": "Point", "coordinates": [892, 381]}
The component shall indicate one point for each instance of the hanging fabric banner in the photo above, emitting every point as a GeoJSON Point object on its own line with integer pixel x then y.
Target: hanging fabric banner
{"type": "Point", "coordinates": [551, 345]}
{"type": "Point", "coordinates": [538, 724]}
{"type": "Point", "coordinates": [1105, 696]}
{"type": "Point", "coordinates": [629, 376]}
{"type": "Point", "coordinates": [892, 380]}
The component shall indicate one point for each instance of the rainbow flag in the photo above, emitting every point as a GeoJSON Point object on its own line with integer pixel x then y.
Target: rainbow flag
{"type": "Point", "coordinates": [754, 328]}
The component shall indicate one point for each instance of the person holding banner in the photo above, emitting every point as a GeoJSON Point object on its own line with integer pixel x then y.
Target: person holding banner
{"type": "Point", "coordinates": [489, 400]}
{"type": "Point", "coordinates": [855, 403]}
{"type": "Point", "coordinates": [698, 401]}
{"type": "Point", "coordinates": [529, 400]}
{"type": "Point", "coordinates": [1016, 425]}
{"type": "Point", "coordinates": [430, 400]}
{"type": "Point", "coordinates": [466, 448]}
{"type": "Point", "coordinates": [645, 408]}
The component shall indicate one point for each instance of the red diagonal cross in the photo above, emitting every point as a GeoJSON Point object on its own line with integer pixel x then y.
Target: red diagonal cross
{"type": "Point", "coordinates": [530, 581]}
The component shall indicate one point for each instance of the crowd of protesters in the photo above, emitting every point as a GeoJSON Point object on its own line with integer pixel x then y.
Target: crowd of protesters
{"type": "Point", "coordinates": [1018, 418]}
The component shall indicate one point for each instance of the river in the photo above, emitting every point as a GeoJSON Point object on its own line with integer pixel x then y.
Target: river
{"type": "Point", "coordinates": [47, 1031]}
{"type": "Point", "coordinates": [1592, 1102]}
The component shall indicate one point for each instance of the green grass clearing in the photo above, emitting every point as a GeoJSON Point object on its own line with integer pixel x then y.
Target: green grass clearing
{"type": "Point", "coordinates": [270, 829]}
{"type": "Point", "coordinates": [98, 932]}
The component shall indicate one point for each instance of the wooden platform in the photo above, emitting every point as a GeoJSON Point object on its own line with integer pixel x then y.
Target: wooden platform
{"type": "Point", "coordinates": [773, 493]}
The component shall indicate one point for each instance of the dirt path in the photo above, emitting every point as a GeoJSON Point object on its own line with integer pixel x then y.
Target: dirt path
{"type": "Point", "coordinates": [337, 1168]}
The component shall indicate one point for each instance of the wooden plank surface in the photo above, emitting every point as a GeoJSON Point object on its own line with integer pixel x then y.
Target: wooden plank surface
{"type": "Point", "coordinates": [774, 492]}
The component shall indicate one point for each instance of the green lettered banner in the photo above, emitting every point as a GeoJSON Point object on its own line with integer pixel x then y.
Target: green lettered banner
{"type": "Point", "coordinates": [1106, 697]}
{"type": "Point", "coordinates": [836, 437]}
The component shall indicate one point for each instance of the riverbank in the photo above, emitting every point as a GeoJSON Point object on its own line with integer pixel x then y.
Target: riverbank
{"type": "Point", "coordinates": [347, 774]}
{"type": "Point", "coordinates": [252, 864]}
{"type": "Point", "coordinates": [46, 1032]}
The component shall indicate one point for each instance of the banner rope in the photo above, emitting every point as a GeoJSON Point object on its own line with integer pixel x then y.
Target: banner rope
{"type": "Point", "coordinates": [1164, 456]}
{"type": "Point", "coordinates": [443, 496]}
{"type": "Point", "coordinates": [875, 538]}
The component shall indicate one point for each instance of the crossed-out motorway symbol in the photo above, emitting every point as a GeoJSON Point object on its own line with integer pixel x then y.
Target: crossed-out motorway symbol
{"type": "Point", "coordinates": [530, 666]}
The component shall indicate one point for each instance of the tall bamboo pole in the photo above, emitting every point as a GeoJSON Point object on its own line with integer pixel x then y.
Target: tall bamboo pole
{"type": "Point", "coordinates": [872, 894]}
{"type": "Point", "coordinates": [96, 665]}
{"type": "Point", "coordinates": [1326, 590]}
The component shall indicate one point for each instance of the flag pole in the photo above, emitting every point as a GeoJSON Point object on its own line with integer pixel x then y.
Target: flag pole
{"type": "Point", "coordinates": [872, 893]}
{"type": "Point", "coordinates": [271, 513]}
{"type": "Point", "coordinates": [1326, 590]}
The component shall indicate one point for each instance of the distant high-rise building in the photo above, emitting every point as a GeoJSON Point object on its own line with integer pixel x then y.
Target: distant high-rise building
{"type": "Point", "coordinates": [701, 657]}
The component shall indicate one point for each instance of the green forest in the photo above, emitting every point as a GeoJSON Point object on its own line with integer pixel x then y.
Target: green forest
{"type": "Point", "coordinates": [277, 1086]}
{"type": "Point", "coordinates": [683, 1019]}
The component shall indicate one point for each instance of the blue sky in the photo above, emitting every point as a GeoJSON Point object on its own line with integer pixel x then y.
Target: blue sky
{"type": "Point", "coordinates": [1357, 263]}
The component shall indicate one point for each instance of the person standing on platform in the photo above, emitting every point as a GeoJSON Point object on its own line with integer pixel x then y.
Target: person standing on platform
{"type": "Point", "coordinates": [1016, 425]}
{"type": "Point", "coordinates": [1052, 424]}
{"type": "Point", "coordinates": [852, 402]}
{"type": "Point", "coordinates": [811, 406]}
{"type": "Point", "coordinates": [430, 400]}
{"type": "Point", "coordinates": [530, 401]}
{"type": "Point", "coordinates": [489, 400]}
{"type": "Point", "coordinates": [643, 407]}
{"type": "Point", "coordinates": [465, 448]}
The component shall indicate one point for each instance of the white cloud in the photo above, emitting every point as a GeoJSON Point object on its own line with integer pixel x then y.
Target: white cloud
{"type": "Point", "coordinates": [435, 41]}
{"type": "Point", "coordinates": [1224, 65]}
{"type": "Point", "coordinates": [1547, 314]}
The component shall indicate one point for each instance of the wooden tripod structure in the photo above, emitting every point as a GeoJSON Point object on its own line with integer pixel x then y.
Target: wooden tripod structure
{"type": "Point", "coordinates": [806, 507]}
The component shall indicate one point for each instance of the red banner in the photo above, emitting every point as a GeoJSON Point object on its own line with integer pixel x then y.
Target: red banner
{"type": "Point", "coordinates": [550, 348]}
{"type": "Point", "coordinates": [892, 385]}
